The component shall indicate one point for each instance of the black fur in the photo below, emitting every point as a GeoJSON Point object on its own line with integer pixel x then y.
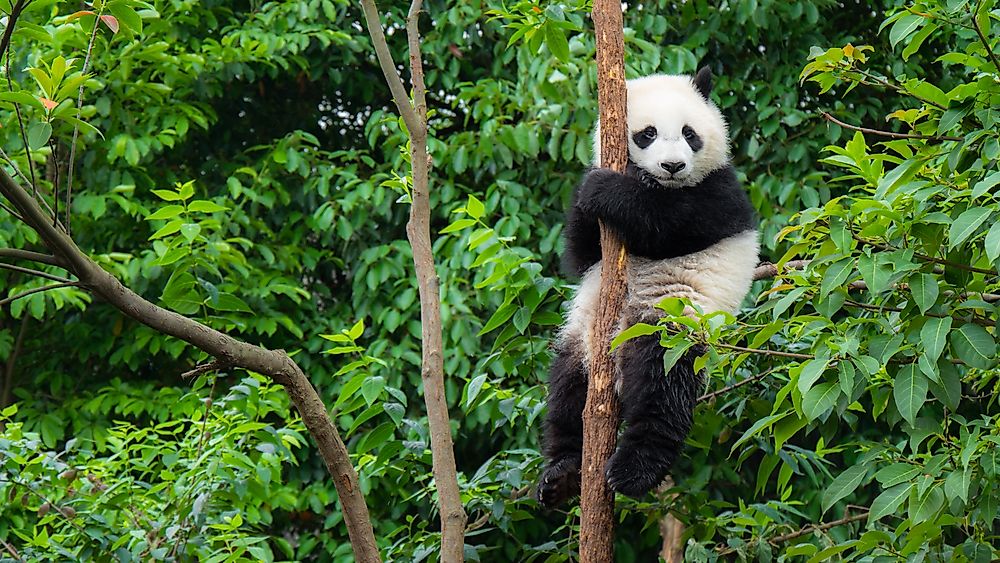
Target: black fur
{"type": "Point", "coordinates": [563, 431]}
{"type": "Point", "coordinates": [692, 138]}
{"type": "Point", "coordinates": [653, 221]}
{"type": "Point", "coordinates": [703, 81]}
{"type": "Point", "coordinates": [657, 409]}
{"type": "Point", "coordinates": [644, 138]}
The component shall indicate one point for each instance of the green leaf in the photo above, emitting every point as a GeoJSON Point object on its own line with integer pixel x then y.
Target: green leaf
{"type": "Point", "coordinates": [165, 212]}
{"type": "Point", "coordinates": [473, 388]}
{"type": "Point", "coordinates": [168, 229]}
{"type": "Point", "coordinates": [372, 388]}
{"type": "Point", "coordinates": [356, 330]}
{"type": "Point", "coordinates": [973, 345]}
{"type": "Point", "coordinates": [168, 195]}
{"type": "Point", "coordinates": [458, 226]}
{"type": "Point", "coordinates": [475, 208]}
{"type": "Point", "coordinates": [205, 206]}
{"type": "Point", "coordinates": [835, 276]}
{"type": "Point", "coordinates": [843, 485]}
{"type": "Point", "coordinates": [986, 184]}
{"type": "Point", "coordinates": [502, 315]}
{"type": "Point", "coordinates": [229, 302]}
{"type": "Point", "coordinates": [924, 288]}
{"type": "Point", "coordinates": [812, 370]}
{"type": "Point", "coordinates": [992, 243]}
{"type": "Point", "coordinates": [909, 391]}
{"type": "Point", "coordinates": [820, 399]}
{"type": "Point", "coordinates": [190, 231]}
{"type": "Point", "coordinates": [875, 272]}
{"type": "Point", "coordinates": [555, 40]}
{"type": "Point", "coordinates": [888, 502]}
{"type": "Point", "coordinates": [634, 331]}
{"type": "Point", "coordinates": [924, 508]}
{"type": "Point", "coordinates": [897, 473]}
{"type": "Point", "coordinates": [934, 336]}
{"type": "Point", "coordinates": [39, 134]}
{"type": "Point", "coordinates": [956, 486]}
{"type": "Point", "coordinates": [966, 224]}
{"type": "Point", "coordinates": [674, 353]}
{"type": "Point", "coordinates": [903, 27]}
{"type": "Point", "coordinates": [949, 390]}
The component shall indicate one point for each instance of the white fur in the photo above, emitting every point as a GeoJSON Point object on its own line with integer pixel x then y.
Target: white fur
{"type": "Point", "coordinates": [716, 279]}
{"type": "Point", "coordinates": [668, 103]}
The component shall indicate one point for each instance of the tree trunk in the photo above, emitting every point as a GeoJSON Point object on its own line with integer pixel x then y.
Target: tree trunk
{"type": "Point", "coordinates": [600, 416]}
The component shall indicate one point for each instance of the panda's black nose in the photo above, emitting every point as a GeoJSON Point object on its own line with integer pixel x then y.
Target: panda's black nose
{"type": "Point", "coordinates": [672, 167]}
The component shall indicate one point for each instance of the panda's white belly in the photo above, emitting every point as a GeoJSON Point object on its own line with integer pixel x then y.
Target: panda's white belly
{"type": "Point", "coordinates": [716, 279]}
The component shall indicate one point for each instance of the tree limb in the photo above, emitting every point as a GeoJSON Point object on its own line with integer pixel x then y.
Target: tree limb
{"type": "Point", "coordinates": [32, 272]}
{"type": "Point", "coordinates": [33, 291]}
{"type": "Point", "coordinates": [31, 256]}
{"type": "Point", "coordinates": [453, 516]}
{"type": "Point", "coordinates": [275, 364]}
{"type": "Point", "coordinates": [8, 378]}
{"type": "Point", "coordinates": [889, 134]}
{"type": "Point", "coordinates": [600, 414]}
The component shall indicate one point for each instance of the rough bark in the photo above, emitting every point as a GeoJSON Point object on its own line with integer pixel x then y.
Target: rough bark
{"type": "Point", "coordinates": [273, 363]}
{"type": "Point", "coordinates": [600, 416]}
{"type": "Point", "coordinates": [453, 517]}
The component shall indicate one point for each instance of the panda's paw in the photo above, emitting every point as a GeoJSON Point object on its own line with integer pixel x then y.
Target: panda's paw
{"type": "Point", "coordinates": [633, 474]}
{"type": "Point", "coordinates": [559, 482]}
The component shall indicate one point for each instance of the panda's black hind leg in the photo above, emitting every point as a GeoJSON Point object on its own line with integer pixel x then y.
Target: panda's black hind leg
{"type": "Point", "coordinates": [563, 434]}
{"type": "Point", "coordinates": [657, 409]}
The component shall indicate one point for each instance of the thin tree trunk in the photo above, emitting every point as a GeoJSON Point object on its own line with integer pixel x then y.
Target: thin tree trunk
{"type": "Point", "coordinates": [600, 416]}
{"type": "Point", "coordinates": [453, 517]}
{"type": "Point", "coordinates": [671, 529]}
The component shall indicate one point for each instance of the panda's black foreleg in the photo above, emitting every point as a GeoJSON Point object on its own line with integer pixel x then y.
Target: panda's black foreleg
{"type": "Point", "coordinates": [563, 430]}
{"type": "Point", "coordinates": [657, 409]}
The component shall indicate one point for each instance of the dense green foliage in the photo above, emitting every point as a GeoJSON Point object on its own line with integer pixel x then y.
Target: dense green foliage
{"type": "Point", "coordinates": [240, 163]}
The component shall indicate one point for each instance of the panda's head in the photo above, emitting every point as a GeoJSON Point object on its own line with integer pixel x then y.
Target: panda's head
{"type": "Point", "coordinates": [676, 134]}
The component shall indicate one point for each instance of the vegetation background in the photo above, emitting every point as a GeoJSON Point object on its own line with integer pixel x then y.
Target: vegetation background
{"type": "Point", "coordinates": [241, 163]}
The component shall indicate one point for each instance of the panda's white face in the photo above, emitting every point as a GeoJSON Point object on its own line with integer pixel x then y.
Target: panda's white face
{"type": "Point", "coordinates": [676, 136]}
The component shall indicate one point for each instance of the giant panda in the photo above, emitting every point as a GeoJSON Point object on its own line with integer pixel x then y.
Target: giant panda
{"type": "Point", "coordinates": [689, 231]}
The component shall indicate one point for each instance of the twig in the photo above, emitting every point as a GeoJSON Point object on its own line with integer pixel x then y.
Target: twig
{"type": "Point", "coordinates": [33, 291]}
{"type": "Point", "coordinates": [10, 211]}
{"type": "Point", "coordinates": [39, 273]}
{"type": "Point", "coordinates": [10, 549]}
{"type": "Point", "coordinates": [738, 384]}
{"type": "Point", "coordinates": [889, 133]}
{"type": "Point", "coordinates": [31, 256]}
{"type": "Point", "coordinates": [926, 258]}
{"type": "Point", "coordinates": [818, 527]}
{"type": "Point", "coordinates": [803, 531]}
{"type": "Point", "coordinates": [214, 365]}
{"type": "Point", "coordinates": [982, 38]}
{"type": "Point", "coordinates": [764, 352]}
{"type": "Point", "coordinates": [765, 271]}
{"type": "Point", "coordinates": [76, 126]}
{"type": "Point", "coordinates": [204, 421]}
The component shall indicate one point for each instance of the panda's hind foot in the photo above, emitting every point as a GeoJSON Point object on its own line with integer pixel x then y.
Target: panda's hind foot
{"type": "Point", "coordinates": [634, 472]}
{"type": "Point", "coordinates": [559, 482]}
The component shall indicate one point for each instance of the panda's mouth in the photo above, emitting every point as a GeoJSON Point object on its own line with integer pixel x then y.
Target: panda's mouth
{"type": "Point", "coordinates": [661, 180]}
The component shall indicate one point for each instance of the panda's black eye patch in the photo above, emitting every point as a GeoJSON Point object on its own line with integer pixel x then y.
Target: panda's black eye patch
{"type": "Point", "coordinates": [645, 137]}
{"type": "Point", "coordinates": [692, 138]}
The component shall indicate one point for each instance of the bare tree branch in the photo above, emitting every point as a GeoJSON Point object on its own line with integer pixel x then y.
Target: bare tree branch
{"type": "Point", "coordinates": [600, 413]}
{"type": "Point", "coordinates": [889, 134]}
{"type": "Point", "coordinates": [33, 291]}
{"type": "Point", "coordinates": [32, 256]}
{"type": "Point", "coordinates": [38, 273]}
{"type": "Point", "coordinates": [453, 516]}
{"type": "Point", "coordinates": [275, 364]}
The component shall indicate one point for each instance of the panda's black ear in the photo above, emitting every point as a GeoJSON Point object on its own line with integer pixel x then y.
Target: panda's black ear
{"type": "Point", "coordinates": [703, 81]}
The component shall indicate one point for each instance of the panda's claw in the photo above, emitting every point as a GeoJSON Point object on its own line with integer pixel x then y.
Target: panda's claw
{"type": "Point", "coordinates": [630, 474]}
{"type": "Point", "coordinates": [559, 482]}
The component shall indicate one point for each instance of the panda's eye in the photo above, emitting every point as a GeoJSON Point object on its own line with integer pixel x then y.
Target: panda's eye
{"type": "Point", "coordinates": [688, 132]}
{"type": "Point", "coordinates": [649, 132]}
